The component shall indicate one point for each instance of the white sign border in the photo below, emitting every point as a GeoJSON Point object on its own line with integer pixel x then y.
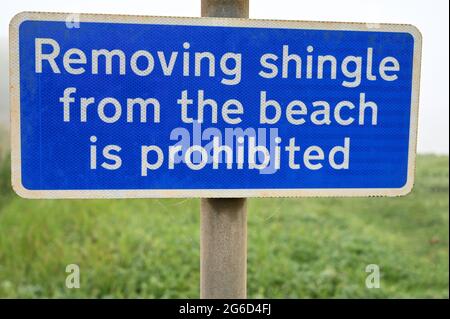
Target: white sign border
{"type": "Point", "coordinates": [14, 69]}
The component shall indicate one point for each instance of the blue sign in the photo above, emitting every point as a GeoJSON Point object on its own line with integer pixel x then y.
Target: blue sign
{"type": "Point", "coordinates": [121, 106]}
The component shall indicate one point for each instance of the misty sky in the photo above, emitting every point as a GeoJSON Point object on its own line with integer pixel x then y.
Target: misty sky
{"type": "Point", "coordinates": [431, 17]}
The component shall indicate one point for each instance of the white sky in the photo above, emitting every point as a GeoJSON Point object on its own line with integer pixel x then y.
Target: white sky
{"type": "Point", "coordinates": [431, 17]}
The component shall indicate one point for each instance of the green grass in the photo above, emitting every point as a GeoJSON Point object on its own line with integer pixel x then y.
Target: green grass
{"type": "Point", "coordinates": [297, 248]}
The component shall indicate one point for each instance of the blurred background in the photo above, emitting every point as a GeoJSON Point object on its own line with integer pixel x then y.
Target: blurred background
{"type": "Point", "coordinates": [298, 248]}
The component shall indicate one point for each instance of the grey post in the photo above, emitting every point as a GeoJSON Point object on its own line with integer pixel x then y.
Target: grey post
{"type": "Point", "coordinates": [223, 221]}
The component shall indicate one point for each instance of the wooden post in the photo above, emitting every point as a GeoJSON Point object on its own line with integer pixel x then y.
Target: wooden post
{"type": "Point", "coordinates": [225, 8]}
{"type": "Point", "coordinates": [223, 221]}
{"type": "Point", "coordinates": [223, 248]}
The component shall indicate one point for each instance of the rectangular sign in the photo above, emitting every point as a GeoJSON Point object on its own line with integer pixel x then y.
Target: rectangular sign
{"type": "Point", "coordinates": [113, 106]}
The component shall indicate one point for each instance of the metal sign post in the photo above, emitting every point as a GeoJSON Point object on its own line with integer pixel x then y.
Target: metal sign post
{"type": "Point", "coordinates": [223, 221]}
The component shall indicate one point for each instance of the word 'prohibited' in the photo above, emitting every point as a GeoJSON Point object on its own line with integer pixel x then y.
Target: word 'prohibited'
{"type": "Point", "coordinates": [126, 106]}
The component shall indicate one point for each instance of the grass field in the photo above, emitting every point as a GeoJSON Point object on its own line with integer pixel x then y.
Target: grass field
{"type": "Point", "coordinates": [298, 248]}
